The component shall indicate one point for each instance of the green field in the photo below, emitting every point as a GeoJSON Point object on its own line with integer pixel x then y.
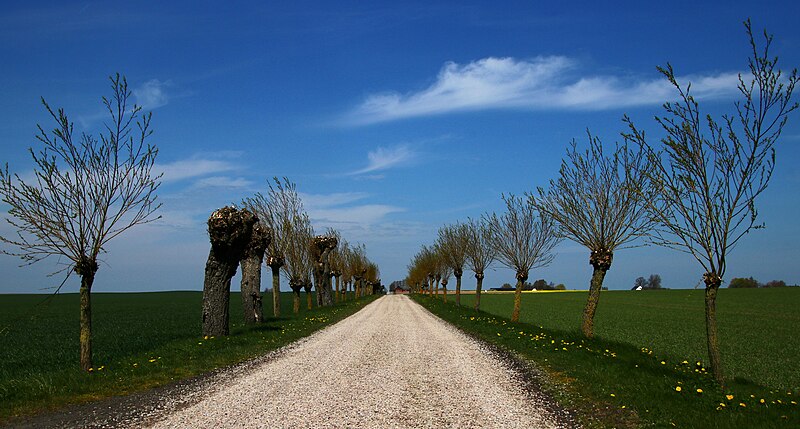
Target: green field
{"type": "Point", "coordinates": [140, 340]}
{"type": "Point", "coordinates": [646, 367]}
{"type": "Point", "coordinates": [758, 328]}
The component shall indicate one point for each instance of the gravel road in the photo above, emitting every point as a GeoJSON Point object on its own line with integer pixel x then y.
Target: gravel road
{"type": "Point", "coordinates": [391, 365]}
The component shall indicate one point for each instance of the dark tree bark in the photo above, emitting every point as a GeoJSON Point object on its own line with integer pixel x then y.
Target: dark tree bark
{"type": "Point", "coordinates": [87, 270]}
{"type": "Point", "coordinates": [296, 288]}
{"type": "Point", "coordinates": [309, 298]}
{"type": "Point", "coordinates": [275, 263]}
{"type": "Point", "coordinates": [521, 277]}
{"type": "Point", "coordinates": [338, 275]}
{"type": "Point", "coordinates": [251, 273]}
{"type": "Point", "coordinates": [713, 282]}
{"type": "Point", "coordinates": [478, 287]}
{"type": "Point", "coordinates": [323, 245]}
{"type": "Point", "coordinates": [600, 260]}
{"type": "Point", "coordinates": [444, 290]}
{"type": "Point", "coordinates": [458, 273]}
{"type": "Point", "coordinates": [229, 230]}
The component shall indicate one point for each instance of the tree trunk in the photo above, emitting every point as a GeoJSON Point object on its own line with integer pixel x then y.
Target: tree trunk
{"type": "Point", "coordinates": [275, 264]}
{"type": "Point", "coordinates": [600, 260]}
{"type": "Point", "coordinates": [521, 277]}
{"type": "Point", "coordinates": [338, 298]}
{"type": "Point", "coordinates": [478, 286]}
{"type": "Point", "coordinates": [309, 298]}
{"type": "Point", "coordinates": [458, 274]}
{"type": "Point", "coordinates": [444, 291]}
{"type": "Point", "coordinates": [251, 273]}
{"type": "Point", "coordinates": [296, 302]}
{"type": "Point", "coordinates": [87, 279]}
{"type": "Point", "coordinates": [713, 281]}
{"type": "Point", "coordinates": [216, 296]}
{"type": "Point", "coordinates": [251, 290]}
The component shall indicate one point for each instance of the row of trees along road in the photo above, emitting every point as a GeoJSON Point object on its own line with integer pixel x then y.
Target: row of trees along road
{"type": "Point", "coordinates": [277, 225]}
{"type": "Point", "coordinates": [88, 190]}
{"type": "Point", "coordinates": [693, 190]}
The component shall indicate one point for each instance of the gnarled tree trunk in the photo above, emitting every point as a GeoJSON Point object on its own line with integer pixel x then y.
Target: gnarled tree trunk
{"type": "Point", "coordinates": [521, 277]}
{"type": "Point", "coordinates": [478, 287]}
{"type": "Point", "coordinates": [87, 269]}
{"type": "Point", "coordinates": [600, 260]}
{"type": "Point", "coordinates": [229, 230]}
{"type": "Point", "coordinates": [251, 273]}
{"type": "Point", "coordinates": [296, 288]}
{"type": "Point", "coordinates": [309, 298]}
{"type": "Point", "coordinates": [713, 282]}
{"type": "Point", "coordinates": [444, 290]}
{"type": "Point", "coordinates": [275, 263]}
{"type": "Point", "coordinates": [458, 272]}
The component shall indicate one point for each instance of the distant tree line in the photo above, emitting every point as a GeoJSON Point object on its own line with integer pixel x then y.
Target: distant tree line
{"type": "Point", "coordinates": [749, 282]}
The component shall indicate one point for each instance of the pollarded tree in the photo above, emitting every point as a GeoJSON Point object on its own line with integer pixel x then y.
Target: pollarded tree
{"type": "Point", "coordinates": [336, 260]}
{"type": "Point", "coordinates": [453, 243]}
{"type": "Point", "coordinates": [84, 193]}
{"type": "Point", "coordinates": [480, 253]}
{"type": "Point", "coordinates": [230, 231]}
{"type": "Point", "coordinates": [276, 209]}
{"type": "Point", "coordinates": [252, 258]}
{"type": "Point", "coordinates": [299, 265]}
{"type": "Point", "coordinates": [710, 173]}
{"type": "Point", "coordinates": [321, 248]}
{"type": "Point", "coordinates": [523, 239]}
{"type": "Point", "coordinates": [598, 201]}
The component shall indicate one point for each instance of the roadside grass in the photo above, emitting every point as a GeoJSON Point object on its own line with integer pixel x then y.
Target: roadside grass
{"type": "Point", "coordinates": [758, 328]}
{"type": "Point", "coordinates": [611, 382]}
{"type": "Point", "coordinates": [141, 340]}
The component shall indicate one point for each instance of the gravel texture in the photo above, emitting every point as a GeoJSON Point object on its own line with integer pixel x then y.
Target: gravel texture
{"type": "Point", "coordinates": [391, 365]}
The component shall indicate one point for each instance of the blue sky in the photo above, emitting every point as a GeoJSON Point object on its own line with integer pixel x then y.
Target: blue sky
{"type": "Point", "coordinates": [393, 118]}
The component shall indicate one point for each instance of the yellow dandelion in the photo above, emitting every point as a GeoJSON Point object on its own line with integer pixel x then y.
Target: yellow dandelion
{"type": "Point", "coordinates": [722, 404]}
{"type": "Point", "coordinates": [730, 397]}
{"type": "Point", "coordinates": [742, 404]}
{"type": "Point", "coordinates": [699, 390]}
{"type": "Point", "coordinates": [663, 363]}
{"type": "Point", "coordinates": [761, 400]}
{"type": "Point", "coordinates": [200, 343]}
{"type": "Point", "coordinates": [91, 369]}
{"type": "Point", "coordinates": [678, 388]}
{"type": "Point", "coordinates": [613, 395]}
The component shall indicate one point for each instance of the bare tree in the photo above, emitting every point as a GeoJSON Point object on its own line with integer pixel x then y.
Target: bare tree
{"type": "Point", "coordinates": [598, 201]}
{"type": "Point", "coordinates": [299, 265]}
{"type": "Point", "coordinates": [480, 253]}
{"type": "Point", "coordinates": [709, 174]}
{"type": "Point", "coordinates": [524, 239]}
{"type": "Point", "coordinates": [453, 243]}
{"type": "Point", "coordinates": [336, 260]}
{"type": "Point", "coordinates": [230, 231]}
{"type": "Point", "coordinates": [84, 193]}
{"type": "Point", "coordinates": [276, 209]}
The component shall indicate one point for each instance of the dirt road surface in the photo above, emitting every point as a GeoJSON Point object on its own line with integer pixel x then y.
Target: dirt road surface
{"type": "Point", "coordinates": [391, 365]}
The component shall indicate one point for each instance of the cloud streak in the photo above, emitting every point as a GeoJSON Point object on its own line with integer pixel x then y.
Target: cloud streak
{"type": "Point", "coordinates": [193, 168]}
{"type": "Point", "coordinates": [542, 83]}
{"type": "Point", "coordinates": [384, 158]}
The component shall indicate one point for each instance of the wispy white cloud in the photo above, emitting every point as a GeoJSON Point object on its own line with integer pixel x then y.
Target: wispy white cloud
{"type": "Point", "coordinates": [542, 83]}
{"type": "Point", "coordinates": [194, 167]}
{"type": "Point", "coordinates": [151, 95]}
{"type": "Point", "coordinates": [384, 158]}
{"type": "Point", "coordinates": [344, 211]}
{"type": "Point", "coordinates": [223, 182]}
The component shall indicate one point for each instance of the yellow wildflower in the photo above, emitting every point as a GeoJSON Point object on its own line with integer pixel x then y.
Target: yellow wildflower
{"type": "Point", "coordinates": [730, 397]}
{"type": "Point", "coordinates": [699, 390]}
{"type": "Point", "coordinates": [677, 388]}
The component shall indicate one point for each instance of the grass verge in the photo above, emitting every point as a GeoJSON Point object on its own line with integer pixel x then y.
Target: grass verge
{"type": "Point", "coordinates": [614, 384]}
{"type": "Point", "coordinates": [141, 340]}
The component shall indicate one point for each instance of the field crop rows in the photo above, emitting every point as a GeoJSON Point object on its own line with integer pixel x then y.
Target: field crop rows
{"type": "Point", "coordinates": [141, 340]}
